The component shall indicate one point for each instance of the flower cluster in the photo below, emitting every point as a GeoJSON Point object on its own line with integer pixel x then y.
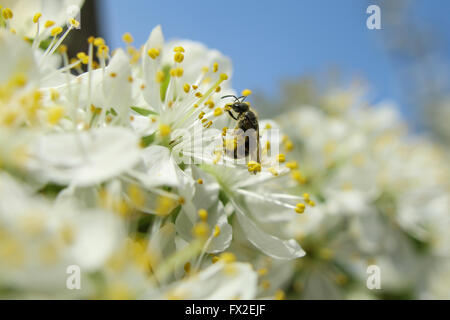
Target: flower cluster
{"type": "Point", "coordinates": [114, 164]}
{"type": "Point", "coordinates": [384, 201]}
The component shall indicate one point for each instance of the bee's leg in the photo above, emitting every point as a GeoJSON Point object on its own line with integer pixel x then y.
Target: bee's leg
{"type": "Point", "coordinates": [232, 115]}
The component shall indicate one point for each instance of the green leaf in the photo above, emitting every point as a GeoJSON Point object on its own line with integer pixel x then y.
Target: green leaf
{"type": "Point", "coordinates": [165, 83]}
{"type": "Point", "coordinates": [142, 111]}
{"type": "Point", "coordinates": [148, 140]}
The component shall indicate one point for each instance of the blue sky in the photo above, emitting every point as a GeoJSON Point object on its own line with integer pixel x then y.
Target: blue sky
{"type": "Point", "coordinates": [272, 40]}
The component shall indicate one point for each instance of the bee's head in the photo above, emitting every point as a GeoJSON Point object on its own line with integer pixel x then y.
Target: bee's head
{"type": "Point", "coordinates": [240, 107]}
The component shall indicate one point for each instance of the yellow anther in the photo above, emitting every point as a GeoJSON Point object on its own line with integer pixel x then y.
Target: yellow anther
{"type": "Point", "coordinates": [178, 57]}
{"type": "Point", "coordinates": [204, 120]}
{"type": "Point", "coordinates": [54, 114]}
{"type": "Point", "coordinates": [195, 106]}
{"type": "Point", "coordinates": [194, 87]}
{"type": "Point", "coordinates": [181, 200]}
{"type": "Point", "coordinates": [218, 89]}
{"type": "Point", "coordinates": [268, 126]}
{"type": "Point", "coordinates": [288, 145]}
{"type": "Point", "coordinates": [164, 205]}
{"type": "Point", "coordinates": [54, 95]}
{"type": "Point", "coordinates": [160, 76]}
{"type": "Point", "coordinates": [62, 48]}
{"type": "Point", "coordinates": [214, 259]}
{"type": "Point", "coordinates": [210, 104]}
{"type": "Point", "coordinates": [306, 196]}
{"type": "Point", "coordinates": [36, 17]}
{"type": "Point", "coordinates": [223, 76]}
{"type": "Point", "coordinates": [102, 51]}
{"type": "Point", "coordinates": [280, 295]}
{"type": "Point", "coordinates": [201, 115]}
{"type": "Point", "coordinates": [281, 158]}
{"type": "Point", "coordinates": [178, 49]}
{"type": "Point", "coordinates": [113, 74]}
{"type": "Point", "coordinates": [74, 23]}
{"type": "Point", "coordinates": [215, 67]}
{"type": "Point", "coordinates": [205, 69]}
{"type": "Point", "coordinates": [218, 112]}
{"type": "Point", "coordinates": [186, 87]}
{"type": "Point", "coordinates": [227, 257]}
{"type": "Point", "coordinates": [83, 57]}
{"type": "Point", "coordinates": [201, 230]}
{"type": "Point", "coordinates": [265, 284]}
{"type": "Point", "coordinates": [203, 214]}
{"type": "Point", "coordinates": [292, 165]}
{"type": "Point", "coordinates": [326, 253]}
{"type": "Point", "coordinates": [164, 130]}
{"type": "Point", "coordinates": [179, 72]}
{"type": "Point", "coordinates": [298, 176]}
{"type": "Point", "coordinates": [136, 195]}
{"type": "Point", "coordinates": [198, 94]}
{"type": "Point", "coordinates": [13, 31]}
{"type": "Point", "coordinates": [98, 42]}
{"type": "Point", "coordinates": [91, 39]}
{"type": "Point", "coordinates": [254, 166]}
{"type": "Point", "coordinates": [7, 13]}
{"type": "Point", "coordinates": [55, 31]}
{"type": "Point", "coordinates": [227, 107]}
{"type": "Point", "coordinates": [127, 38]}
{"type": "Point", "coordinates": [311, 202]}
{"type": "Point", "coordinates": [273, 171]}
{"type": "Point", "coordinates": [130, 79]}
{"type": "Point", "coordinates": [200, 181]}
{"type": "Point", "coordinates": [246, 92]}
{"type": "Point", "coordinates": [209, 124]}
{"type": "Point", "coordinates": [263, 271]}
{"type": "Point", "coordinates": [49, 23]}
{"type": "Point", "coordinates": [216, 231]}
{"type": "Point", "coordinates": [300, 208]}
{"type": "Point", "coordinates": [153, 53]}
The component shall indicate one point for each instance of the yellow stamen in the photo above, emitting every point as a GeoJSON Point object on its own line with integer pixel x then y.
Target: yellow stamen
{"type": "Point", "coordinates": [127, 38]}
{"type": "Point", "coordinates": [36, 17]}
{"type": "Point", "coordinates": [246, 92]}
{"type": "Point", "coordinates": [49, 23]}
{"type": "Point", "coordinates": [153, 53]}
{"type": "Point", "coordinates": [254, 166]}
{"type": "Point", "coordinates": [55, 31]}
{"type": "Point", "coordinates": [164, 130]}
{"type": "Point", "coordinates": [203, 214]}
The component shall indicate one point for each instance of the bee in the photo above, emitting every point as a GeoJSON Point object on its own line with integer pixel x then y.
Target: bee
{"type": "Point", "coordinates": [247, 122]}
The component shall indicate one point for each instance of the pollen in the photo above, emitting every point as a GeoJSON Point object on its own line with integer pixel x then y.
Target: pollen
{"type": "Point", "coordinates": [218, 112]}
{"type": "Point", "coordinates": [178, 57]}
{"type": "Point", "coordinates": [216, 231]}
{"type": "Point", "coordinates": [203, 214]}
{"type": "Point", "coordinates": [186, 88]}
{"type": "Point", "coordinates": [164, 130]}
{"type": "Point", "coordinates": [273, 171]}
{"type": "Point", "coordinates": [281, 158]}
{"type": "Point", "coordinates": [254, 166]}
{"type": "Point", "coordinates": [214, 259]}
{"type": "Point", "coordinates": [127, 38]}
{"type": "Point", "coordinates": [246, 92]}
{"type": "Point", "coordinates": [200, 181]}
{"type": "Point", "coordinates": [49, 24]}
{"type": "Point", "coordinates": [54, 114]}
{"type": "Point", "coordinates": [215, 67]}
{"type": "Point", "coordinates": [7, 14]}
{"type": "Point", "coordinates": [153, 53]}
{"type": "Point", "coordinates": [300, 208]}
{"type": "Point", "coordinates": [113, 74]}
{"type": "Point", "coordinates": [55, 31]}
